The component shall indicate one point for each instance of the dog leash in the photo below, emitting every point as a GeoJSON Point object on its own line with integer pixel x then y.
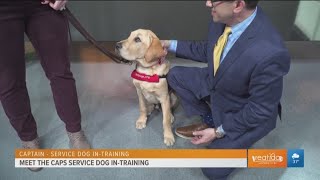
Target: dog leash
{"type": "Point", "coordinates": [75, 22]}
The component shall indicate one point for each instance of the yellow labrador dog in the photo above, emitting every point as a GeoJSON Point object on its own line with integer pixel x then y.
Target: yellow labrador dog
{"type": "Point", "coordinates": [144, 47]}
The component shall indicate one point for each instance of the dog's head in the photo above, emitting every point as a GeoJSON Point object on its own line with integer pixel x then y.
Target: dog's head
{"type": "Point", "coordinates": [142, 46]}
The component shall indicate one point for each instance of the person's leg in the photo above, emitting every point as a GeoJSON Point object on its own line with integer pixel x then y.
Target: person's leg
{"type": "Point", "coordinates": [217, 173]}
{"type": "Point", "coordinates": [243, 142]}
{"type": "Point", "coordinates": [13, 92]}
{"type": "Point", "coordinates": [220, 173]}
{"type": "Point", "coordinates": [48, 31]}
{"type": "Point", "coordinates": [187, 82]}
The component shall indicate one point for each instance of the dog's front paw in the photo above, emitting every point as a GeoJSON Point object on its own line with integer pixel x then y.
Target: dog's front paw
{"type": "Point", "coordinates": [140, 124]}
{"type": "Point", "coordinates": [169, 140]}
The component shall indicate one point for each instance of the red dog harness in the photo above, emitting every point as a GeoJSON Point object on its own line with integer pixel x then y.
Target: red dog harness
{"type": "Point", "coordinates": [144, 77]}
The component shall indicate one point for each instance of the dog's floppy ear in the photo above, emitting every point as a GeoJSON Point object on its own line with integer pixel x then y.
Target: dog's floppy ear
{"type": "Point", "coordinates": [155, 50]}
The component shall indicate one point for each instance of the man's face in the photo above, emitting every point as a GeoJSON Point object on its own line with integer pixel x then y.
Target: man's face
{"type": "Point", "coordinates": [221, 11]}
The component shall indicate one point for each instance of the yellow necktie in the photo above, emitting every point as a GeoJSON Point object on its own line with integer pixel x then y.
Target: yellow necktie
{"type": "Point", "coordinates": [217, 52]}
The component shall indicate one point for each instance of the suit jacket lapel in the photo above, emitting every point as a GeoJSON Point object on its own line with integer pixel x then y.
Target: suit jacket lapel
{"type": "Point", "coordinates": [239, 47]}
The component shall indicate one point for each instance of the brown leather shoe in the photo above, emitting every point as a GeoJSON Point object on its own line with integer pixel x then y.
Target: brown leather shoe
{"type": "Point", "coordinates": [186, 131]}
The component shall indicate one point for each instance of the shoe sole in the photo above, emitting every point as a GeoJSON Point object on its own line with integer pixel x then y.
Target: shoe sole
{"type": "Point", "coordinates": [35, 170]}
{"type": "Point", "coordinates": [182, 136]}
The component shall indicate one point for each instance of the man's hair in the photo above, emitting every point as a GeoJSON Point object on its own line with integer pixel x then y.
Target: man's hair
{"type": "Point", "coordinates": [251, 4]}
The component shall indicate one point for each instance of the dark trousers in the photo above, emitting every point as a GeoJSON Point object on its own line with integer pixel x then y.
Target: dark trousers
{"type": "Point", "coordinates": [47, 29]}
{"type": "Point", "coordinates": [186, 82]}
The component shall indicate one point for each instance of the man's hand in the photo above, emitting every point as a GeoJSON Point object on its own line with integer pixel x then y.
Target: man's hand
{"type": "Point", "coordinates": [165, 43]}
{"type": "Point", "coordinates": [57, 5]}
{"type": "Point", "coordinates": [204, 136]}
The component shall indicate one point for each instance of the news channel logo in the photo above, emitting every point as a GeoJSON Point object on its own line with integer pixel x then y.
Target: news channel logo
{"type": "Point", "coordinates": [295, 157]}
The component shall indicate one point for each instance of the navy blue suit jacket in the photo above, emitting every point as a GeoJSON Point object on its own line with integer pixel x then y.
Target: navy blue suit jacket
{"type": "Point", "coordinates": [246, 90]}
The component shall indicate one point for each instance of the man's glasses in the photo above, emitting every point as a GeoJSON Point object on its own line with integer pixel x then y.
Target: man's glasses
{"type": "Point", "coordinates": [215, 3]}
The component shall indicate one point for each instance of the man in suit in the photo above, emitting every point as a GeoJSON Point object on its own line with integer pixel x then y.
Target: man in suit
{"type": "Point", "coordinates": [238, 94]}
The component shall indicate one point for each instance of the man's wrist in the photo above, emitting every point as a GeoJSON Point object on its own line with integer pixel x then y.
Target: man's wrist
{"type": "Point", "coordinates": [220, 133]}
{"type": "Point", "coordinates": [173, 45]}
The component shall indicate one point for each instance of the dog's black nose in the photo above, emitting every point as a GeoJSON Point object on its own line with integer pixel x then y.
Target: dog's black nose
{"type": "Point", "coordinates": [118, 45]}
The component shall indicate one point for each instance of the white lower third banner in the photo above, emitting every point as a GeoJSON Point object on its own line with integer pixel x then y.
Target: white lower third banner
{"type": "Point", "coordinates": [132, 163]}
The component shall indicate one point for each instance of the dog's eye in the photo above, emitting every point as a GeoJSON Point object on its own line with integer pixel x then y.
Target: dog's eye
{"type": "Point", "coordinates": [137, 39]}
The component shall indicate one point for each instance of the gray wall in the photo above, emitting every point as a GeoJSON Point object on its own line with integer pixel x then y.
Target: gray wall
{"type": "Point", "coordinates": [183, 20]}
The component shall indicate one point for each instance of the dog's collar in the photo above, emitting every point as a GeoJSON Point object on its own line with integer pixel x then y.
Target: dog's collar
{"type": "Point", "coordinates": [144, 77]}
